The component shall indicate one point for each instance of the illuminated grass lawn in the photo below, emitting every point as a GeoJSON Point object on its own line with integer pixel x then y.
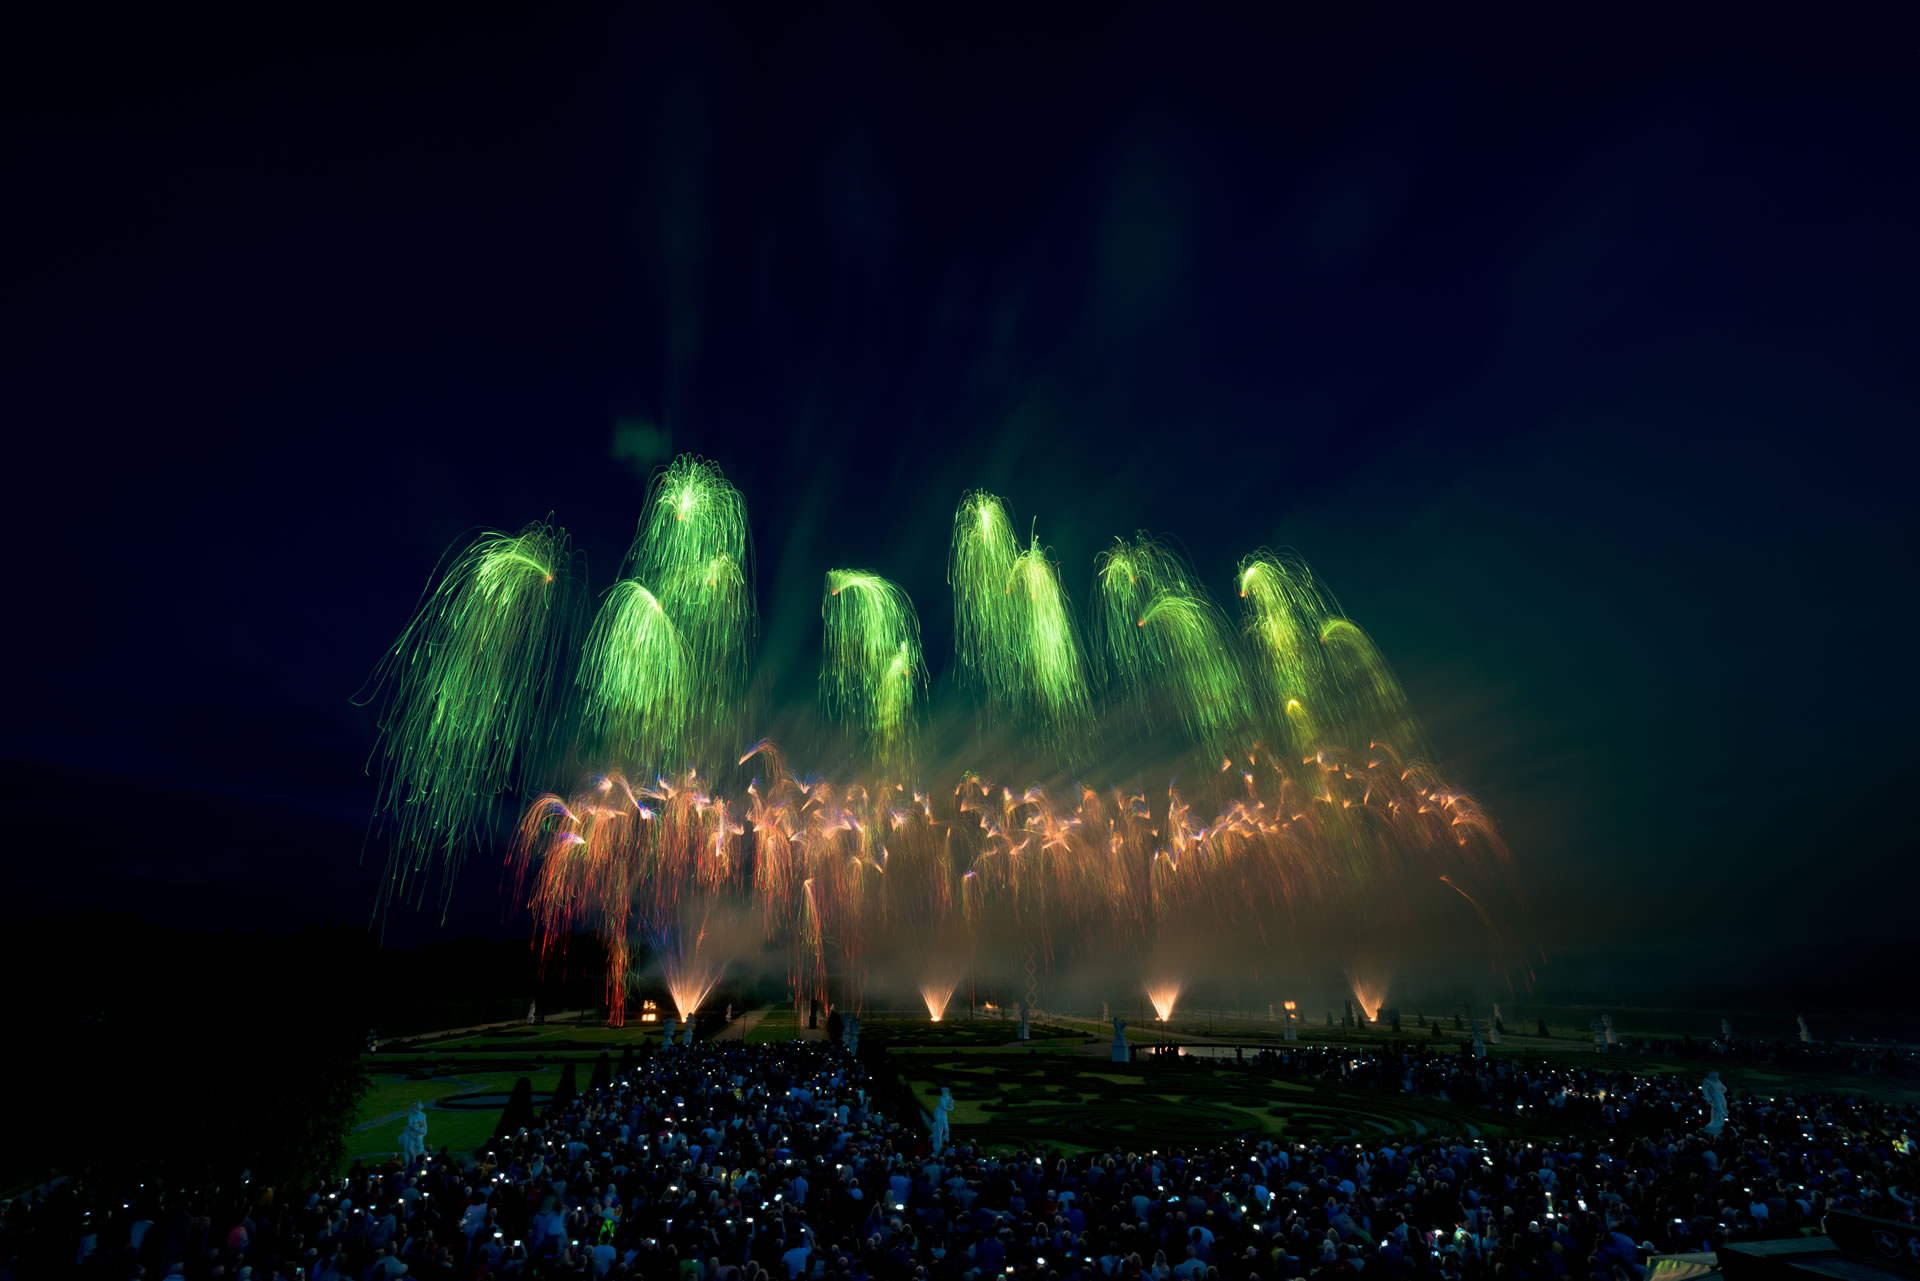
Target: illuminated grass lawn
{"type": "Point", "coordinates": [1077, 1102]}
{"type": "Point", "coordinates": [383, 1111]}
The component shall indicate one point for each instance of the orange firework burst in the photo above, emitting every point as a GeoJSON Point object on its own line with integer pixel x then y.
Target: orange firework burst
{"type": "Point", "coordinates": [835, 869]}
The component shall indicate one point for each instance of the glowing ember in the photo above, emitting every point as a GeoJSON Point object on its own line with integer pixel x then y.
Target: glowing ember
{"type": "Point", "coordinates": [936, 995]}
{"type": "Point", "coordinates": [1163, 995]}
{"type": "Point", "coordinates": [1369, 995]}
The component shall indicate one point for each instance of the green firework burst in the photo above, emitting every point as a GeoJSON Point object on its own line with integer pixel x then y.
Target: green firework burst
{"type": "Point", "coordinates": [1167, 645]}
{"type": "Point", "coordinates": [667, 657]}
{"type": "Point", "coordinates": [1014, 634]}
{"type": "Point", "coordinates": [1282, 618]}
{"type": "Point", "coordinates": [692, 550]}
{"type": "Point", "coordinates": [637, 676]}
{"type": "Point", "coordinates": [871, 671]}
{"type": "Point", "coordinates": [475, 696]}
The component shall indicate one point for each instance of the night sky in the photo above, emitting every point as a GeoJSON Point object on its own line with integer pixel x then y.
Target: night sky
{"type": "Point", "coordinates": [1579, 359]}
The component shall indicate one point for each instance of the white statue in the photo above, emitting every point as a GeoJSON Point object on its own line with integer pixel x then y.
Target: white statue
{"type": "Point", "coordinates": [1479, 1046]}
{"type": "Point", "coordinates": [1104, 1016]}
{"type": "Point", "coordinates": [413, 1137]}
{"type": "Point", "coordinates": [1806, 1037]}
{"type": "Point", "coordinates": [1606, 1022]}
{"type": "Point", "coordinates": [1025, 1009]}
{"type": "Point", "coordinates": [1493, 1028]}
{"type": "Point", "coordinates": [1270, 1011]}
{"type": "Point", "coordinates": [1716, 1096]}
{"type": "Point", "coordinates": [1599, 1031]}
{"type": "Point", "coordinates": [686, 1037]}
{"type": "Point", "coordinates": [1121, 1054]}
{"type": "Point", "coordinates": [942, 1106]}
{"type": "Point", "coordinates": [672, 1022]}
{"type": "Point", "coordinates": [530, 1010]}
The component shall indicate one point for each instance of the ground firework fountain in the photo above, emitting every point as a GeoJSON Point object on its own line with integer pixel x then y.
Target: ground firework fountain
{"type": "Point", "coordinates": [936, 995]}
{"type": "Point", "coordinates": [1369, 995]}
{"type": "Point", "coordinates": [689, 987]}
{"type": "Point", "coordinates": [1162, 996]}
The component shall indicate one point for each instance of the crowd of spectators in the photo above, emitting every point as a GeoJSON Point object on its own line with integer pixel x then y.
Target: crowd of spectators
{"type": "Point", "coordinates": [1611, 1091]}
{"type": "Point", "coordinates": [727, 1161]}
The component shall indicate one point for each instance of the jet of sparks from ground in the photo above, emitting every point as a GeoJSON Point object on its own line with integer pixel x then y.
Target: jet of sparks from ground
{"type": "Point", "coordinates": [1369, 994]}
{"type": "Point", "coordinates": [936, 995]}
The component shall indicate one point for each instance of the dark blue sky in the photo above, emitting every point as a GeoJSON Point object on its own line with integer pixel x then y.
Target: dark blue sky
{"type": "Point", "coordinates": [1577, 354]}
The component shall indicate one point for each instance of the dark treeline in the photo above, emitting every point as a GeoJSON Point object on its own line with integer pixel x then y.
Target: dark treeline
{"type": "Point", "coordinates": [189, 1055]}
